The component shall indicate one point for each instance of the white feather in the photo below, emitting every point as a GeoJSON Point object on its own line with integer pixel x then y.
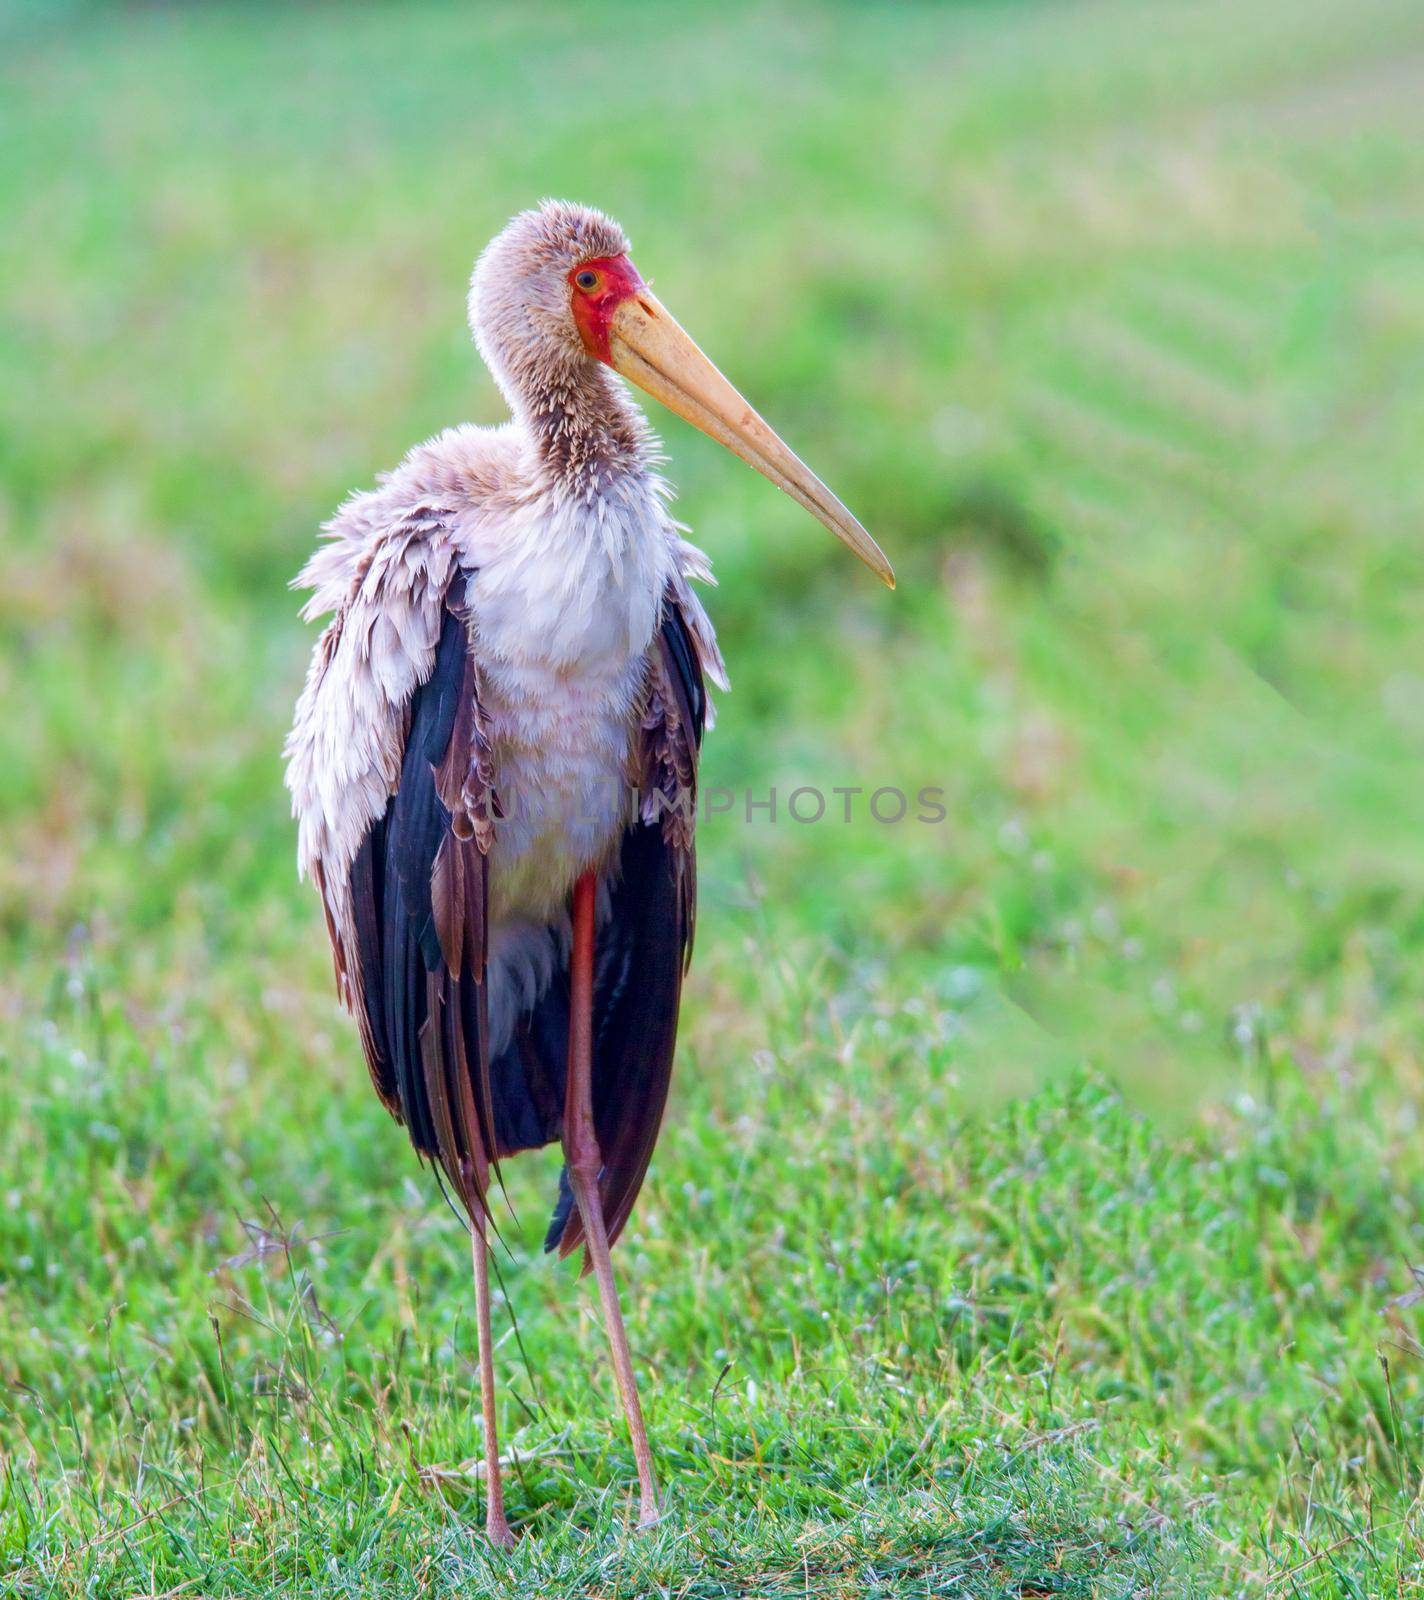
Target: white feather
{"type": "Point", "coordinates": [564, 595]}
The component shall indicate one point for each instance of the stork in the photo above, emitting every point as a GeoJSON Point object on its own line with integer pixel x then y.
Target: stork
{"type": "Point", "coordinates": [493, 762]}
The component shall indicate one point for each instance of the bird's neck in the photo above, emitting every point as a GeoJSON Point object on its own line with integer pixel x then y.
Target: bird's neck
{"type": "Point", "coordinates": [585, 429]}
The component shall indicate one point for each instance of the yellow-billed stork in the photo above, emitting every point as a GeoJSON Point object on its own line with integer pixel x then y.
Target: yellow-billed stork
{"type": "Point", "coordinates": [494, 758]}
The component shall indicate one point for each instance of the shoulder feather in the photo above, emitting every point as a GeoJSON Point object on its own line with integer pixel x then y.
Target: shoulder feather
{"type": "Point", "coordinates": [389, 556]}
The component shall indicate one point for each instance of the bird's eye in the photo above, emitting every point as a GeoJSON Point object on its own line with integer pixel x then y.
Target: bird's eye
{"type": "Point", "coordinates": [587, 279]}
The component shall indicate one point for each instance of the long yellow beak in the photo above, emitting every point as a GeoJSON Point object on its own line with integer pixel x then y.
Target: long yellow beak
{"type": "Point", "coordinates": [648, 347]}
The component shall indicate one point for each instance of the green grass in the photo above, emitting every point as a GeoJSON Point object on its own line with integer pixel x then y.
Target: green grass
{"type": "Point", "coordinates": [1039, 1212]}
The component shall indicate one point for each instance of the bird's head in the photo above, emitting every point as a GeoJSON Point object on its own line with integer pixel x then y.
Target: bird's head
{"type": "Point", "coordinates": [557, 290]}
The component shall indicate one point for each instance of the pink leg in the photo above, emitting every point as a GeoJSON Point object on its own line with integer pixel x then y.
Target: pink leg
{"type": "Point", "coordinates": [497, 1530]}
{"type": "Point", "coordinates": [584, 1162]}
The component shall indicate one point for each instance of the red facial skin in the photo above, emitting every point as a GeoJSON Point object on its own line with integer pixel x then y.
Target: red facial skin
{"type": "Point", "coordinates": [618, 280]}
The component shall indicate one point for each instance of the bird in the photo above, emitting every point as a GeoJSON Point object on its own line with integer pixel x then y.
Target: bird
{"type": "Point", "coordinates": [493, 759]}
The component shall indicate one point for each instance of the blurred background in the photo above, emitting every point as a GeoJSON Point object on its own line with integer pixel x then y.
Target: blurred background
{"type": "Point", "coordinates": [1110, 332]}
{"type": "Point", "coordinates": [1105, 318]}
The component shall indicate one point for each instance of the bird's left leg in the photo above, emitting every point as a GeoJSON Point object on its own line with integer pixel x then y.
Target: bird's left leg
{"type": "Point", "coordinates": [584, 1162]}
{"type": "Point", "coordinates": [497, 1529]}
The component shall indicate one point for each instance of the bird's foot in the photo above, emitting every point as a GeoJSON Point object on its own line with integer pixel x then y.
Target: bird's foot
{"type": "Point", "coordinates": [499, 1533]}
{"type": "Point", "coordinates": [649, 1515]}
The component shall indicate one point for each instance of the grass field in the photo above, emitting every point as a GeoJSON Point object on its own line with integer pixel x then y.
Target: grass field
{"type": "Point", "coordinates": [1039, 1212]}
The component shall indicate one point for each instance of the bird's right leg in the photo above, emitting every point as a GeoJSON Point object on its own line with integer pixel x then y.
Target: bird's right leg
{"type": "Point", "coordinates": [497, 1530]}
{"type": "Point", "coordinates": [582, 1157]}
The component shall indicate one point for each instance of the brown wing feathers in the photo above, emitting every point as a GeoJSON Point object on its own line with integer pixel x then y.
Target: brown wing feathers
{"type": "Point", "coordinates": [415, 965]}
{"type": "Point", "coordinates": [419, 891]}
